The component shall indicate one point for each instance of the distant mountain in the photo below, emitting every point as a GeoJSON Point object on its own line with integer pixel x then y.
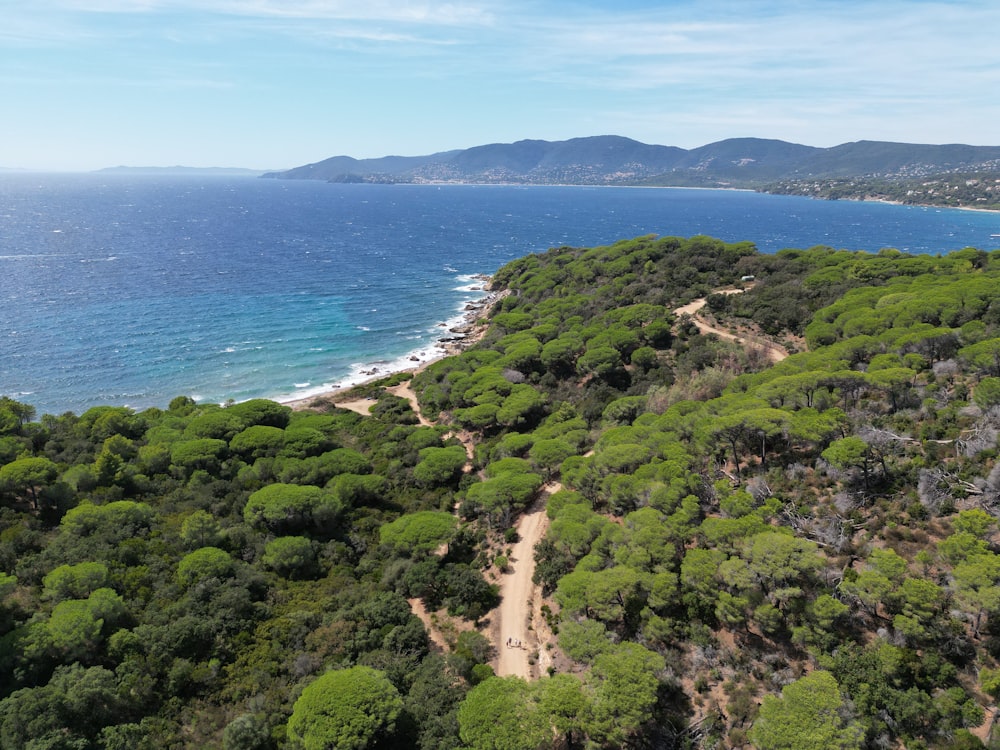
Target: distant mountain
{"type": "Point", "coordinates": [614, 160]}
{"type": "Point", "coordinates": [178, 170]}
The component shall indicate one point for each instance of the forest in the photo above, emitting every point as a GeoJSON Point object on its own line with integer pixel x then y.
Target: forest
{"type": "Point", "coordinates": [772, 523]}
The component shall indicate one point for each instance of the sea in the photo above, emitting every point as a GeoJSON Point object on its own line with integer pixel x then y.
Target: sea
{"type": "Point", "coordinates": [130, 290]}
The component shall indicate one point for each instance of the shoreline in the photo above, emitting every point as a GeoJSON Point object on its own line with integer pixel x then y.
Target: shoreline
{"type": "Point", "coordinates": [459, 333]}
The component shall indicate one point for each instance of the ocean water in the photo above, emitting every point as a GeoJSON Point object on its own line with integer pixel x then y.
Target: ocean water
{"type": "Point", "coordinates": [131, 290]}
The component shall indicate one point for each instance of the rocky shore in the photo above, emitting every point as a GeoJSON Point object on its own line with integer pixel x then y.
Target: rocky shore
{"type": "Point", "coordinates": [454, 340]}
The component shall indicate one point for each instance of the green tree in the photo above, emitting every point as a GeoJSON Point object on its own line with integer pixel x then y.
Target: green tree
{"type": "Point", "coordinates": [440, 465]}
{"type": "Point", "coordinates": [347, 709]}
{"type": "Point", "coordinates": [523, 405]}
{"type": "Point", "coordinates": [895, 381]}
{"type": "Point", "coordinates": [562, 702]}
{"type": "Point", "coordinates": [207, 562]}
{"type": "Point", "coordinates": [78, 626]}
{"type": "Point", "coordinates": [810, 715]}
{"type": "Point", "coordinates": [68, 713]}
{"type": "Point", "coordinates": [111, 465]}
{"type": "Point", "coordinates": [261, 411]}
{"type": "Point", "coordinates": [977, 585]}
{"type": "Point", "coordinates": [290, 556]}
{"type": "Point", "coordinates": [257, 441]}
{"type": "Point", "coordinates": [246, 732]}
{"type": "Point", "coordinates": [700, 579]}
{"type": "Point", "coordinates": [300, 441]}
{"type": "Point", "coordinates": [559, 355]}
{"type": "Point", "coordinates": [601, 361]}
{"type": "Point", "coordinates": [217, 424]}
{"type": "Point", "coordinates": [116, 521]}
{"type": "Point", "coordinates": [548, 454]}
{"type": "Point", "coordinates": [433, 702]}
{"type": "Point", "coordinates": [850, 452]}
{"type": "Point", "coordinates": [498, 714]}
{"type": "Point", "coordinates": [621, 691]}
{"type": "Point", "coordinates": [987, 393]}
{"type": "Point", "coordinates": [73, 630]}
{"type": "Point", "coordinates": [984, 356]}
{"type": "Point", "coordinates": [290, 507]}
{"type": "Point", "coordinates": [200, 453]}
{"type": "Point", "coordinates": [584, 640]}
{"type": "Point", "coordinates": [75, 581]}
{"type": "Point", "coordinates": [608, 595]}
{"type": "Point", "coordinates": [420, 532]}
{"type": "Point", "coordinates": [780, 563]}
{"type": "Point", "coordinates": [200, 529]}
{"type": "Point", "coordinates": [24, 476]}
{"type": "Point", "coordinates": [500, 496]}
{"type": "Point", "coordinates": [14, 415]}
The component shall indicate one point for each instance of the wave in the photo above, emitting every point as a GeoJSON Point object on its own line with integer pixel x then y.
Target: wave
{"type": "Point", "coordinates": [363, 372]}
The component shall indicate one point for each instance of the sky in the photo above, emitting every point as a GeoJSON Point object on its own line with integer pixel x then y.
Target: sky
{"type": "Point", "coordinates": [273, 84]}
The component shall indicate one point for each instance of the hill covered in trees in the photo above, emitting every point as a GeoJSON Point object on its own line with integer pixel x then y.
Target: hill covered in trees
{"type": "Point", "coordinates": [740, 552]}
{"type": "Point", "coordinates": [767, 164]}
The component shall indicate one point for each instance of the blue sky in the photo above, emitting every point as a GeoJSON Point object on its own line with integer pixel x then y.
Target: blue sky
{"type": "Point", "coordinates": [271, 84]}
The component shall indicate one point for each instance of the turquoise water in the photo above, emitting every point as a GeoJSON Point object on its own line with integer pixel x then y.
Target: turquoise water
{"type": "Point", "coordinates": [129, 290]}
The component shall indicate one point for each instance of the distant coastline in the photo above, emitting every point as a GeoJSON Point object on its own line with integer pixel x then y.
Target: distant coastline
{"type": "Point", "coordinates": [953, 175]}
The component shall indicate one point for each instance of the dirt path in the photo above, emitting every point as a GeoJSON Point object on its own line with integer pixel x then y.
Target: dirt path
{"type": "Point", "coordinates": [442, 629]}
{"type": "Point", "coordinates": [363, 405]}
{"type": "Point", "coordinates": [360, 406]}
{"type": "Point", "coordinates": [518, 620]}
{"type": "Point", "coordinates": [775, 352]}
{"type": "Point", "coordinates": [984, 730]}
{"type": "Point", "coordinates": [519, 616]}
{"type": "Point", "coordinates": [405, 390]}
{"type": "Point", "coordinates": [436, 636]}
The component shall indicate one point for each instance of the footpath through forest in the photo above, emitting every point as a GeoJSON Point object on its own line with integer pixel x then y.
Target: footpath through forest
{"type": "Point", "coordinates": [514, 625]}
{"type": "Point", "coordinates": [517, 625]}
{"type": "Point", "coordinates": [774, 352]}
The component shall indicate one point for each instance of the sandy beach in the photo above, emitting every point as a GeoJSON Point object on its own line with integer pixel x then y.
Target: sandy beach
{"type": "Point", "coordinates": [455, 340]}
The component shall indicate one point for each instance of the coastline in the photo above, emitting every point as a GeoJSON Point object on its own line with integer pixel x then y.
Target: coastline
{"type": "Point", "coordinates": [459, 333]}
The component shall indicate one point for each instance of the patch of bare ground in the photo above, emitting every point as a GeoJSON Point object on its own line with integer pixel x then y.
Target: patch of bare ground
{"type": "Point", "coordinates": [361, 406]}
{"type": "Point", "coordinates": [442, 629]}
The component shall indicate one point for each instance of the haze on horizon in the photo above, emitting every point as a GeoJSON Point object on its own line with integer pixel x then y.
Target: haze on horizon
{"type": "Point", "coordinates": [273, 84]}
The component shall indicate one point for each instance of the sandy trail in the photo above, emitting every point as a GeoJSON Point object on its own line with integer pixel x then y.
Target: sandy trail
{"type": "Point", "coordinates": [519, 614]}
{"type": "Point", "coordinates": [363, 405]}
{"type": "Point", "coordinates": [774, 352]}
{"type": "Point", "coordinates": [405, 390]}
{"type": "Point", "coordinates": [436, 636]}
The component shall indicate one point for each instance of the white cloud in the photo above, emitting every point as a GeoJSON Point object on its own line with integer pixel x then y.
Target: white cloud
{"type": "Point", "coordinates": [401, 11]}
{"type": "Point", "coordinates": [686, 71]}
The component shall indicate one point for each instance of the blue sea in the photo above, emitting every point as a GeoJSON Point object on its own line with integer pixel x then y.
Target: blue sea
{"type": "Point", "coordinates": [131, 290]}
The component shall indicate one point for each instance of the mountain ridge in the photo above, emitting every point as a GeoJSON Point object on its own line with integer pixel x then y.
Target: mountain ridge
{"type": "Point", "coordinates": [617, 160]}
